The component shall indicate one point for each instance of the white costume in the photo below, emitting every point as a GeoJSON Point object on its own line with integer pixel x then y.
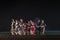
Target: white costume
{"type": "Point", "coordinates": [12, 27]}
{"type": "Point", "coordinates": [16, 28]}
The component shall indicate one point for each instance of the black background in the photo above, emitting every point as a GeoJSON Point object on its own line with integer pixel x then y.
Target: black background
{"type": "Point", "coordinates": [47, 10]}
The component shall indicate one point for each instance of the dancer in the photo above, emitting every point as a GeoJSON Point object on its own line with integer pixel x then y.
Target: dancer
{"type": "Point", "coordinates": [28, 28]}
{"type": "Point", "coordinates": [20, 28]}
{"type": "Point", "coordinates": [24, 29]}
{"type": "Point", "coordinates": [12, 27]}
{"type": "Point", "coordinates": [43, 25]}
{"type": "Point", "coordinates": [16, 26]}
{"type": "Point", "coordinates": [37, 26]}
{"type": "Point", "coordinates": [32, 28]}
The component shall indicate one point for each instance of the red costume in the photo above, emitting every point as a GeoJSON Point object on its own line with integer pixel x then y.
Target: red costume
{"type": "Point", "coordinates": [24, 29]}
{"type": "Point", "coordinates": [32, 28]}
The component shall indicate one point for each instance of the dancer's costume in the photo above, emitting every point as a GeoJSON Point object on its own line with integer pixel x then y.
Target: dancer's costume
{"type": "Point", "coordinates": [32, 29]}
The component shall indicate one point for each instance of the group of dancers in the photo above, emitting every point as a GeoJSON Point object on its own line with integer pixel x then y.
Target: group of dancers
{"type": "Point", "coordinates": [19, 27]}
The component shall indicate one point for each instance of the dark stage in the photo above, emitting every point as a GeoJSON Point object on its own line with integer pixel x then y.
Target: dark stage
{"type": "Point", "coordinates": [27, 9]}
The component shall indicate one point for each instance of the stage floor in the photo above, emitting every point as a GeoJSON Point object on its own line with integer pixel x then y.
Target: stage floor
{"type": "Point", "coordinates": [40, 37]}
{"type": "Point", "coordinates": [49, 35]}
{"type": "Point", "coordinates": [46, 33]}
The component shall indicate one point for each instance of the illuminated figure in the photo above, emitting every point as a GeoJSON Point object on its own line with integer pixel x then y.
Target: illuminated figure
{"type": "Point", "coordinates": [20, 28]}
{"type": "Point", "coordinates": [32, 28]}
{"type": "Point", "coordinates": [24, 29]}
{"type": "Point", "coordinates": [37, 26]}
{"type": "Point", "coordinates": [16, 26]}
{"type": "Point", "coordinates": [12, 27]}
{"type": "Point", "coordinates": [28, 28]}
{"type": "Point", "coordinates": [43, 25]}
